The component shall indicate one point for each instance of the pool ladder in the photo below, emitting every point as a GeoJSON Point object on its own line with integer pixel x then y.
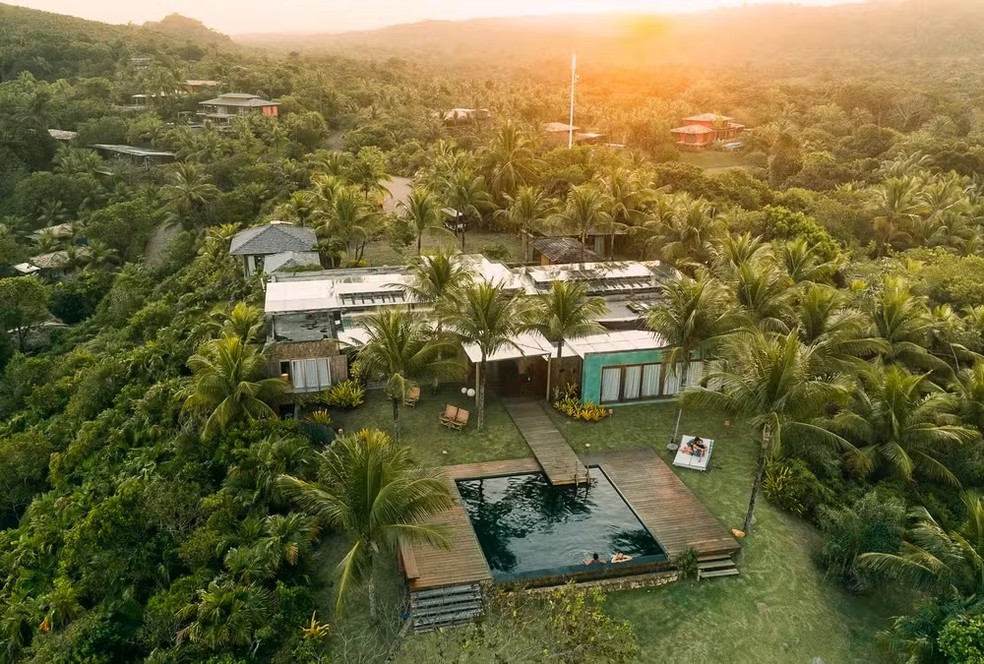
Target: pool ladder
{"type": "Point", "coordinates": [587, 477]}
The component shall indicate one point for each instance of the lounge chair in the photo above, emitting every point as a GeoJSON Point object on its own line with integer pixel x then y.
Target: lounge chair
{"type": "Point", "coordinates": [686, 456]}
{"type": "Point", "coordinates": [461, 419]}
{"type": "Point", "coordinates": [412, 396]}
{"type": "Point", "coordinates": [449, 415]}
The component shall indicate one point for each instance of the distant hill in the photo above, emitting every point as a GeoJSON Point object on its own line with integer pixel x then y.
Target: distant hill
{"type": "Point", "coordinates": [897, 29]}
{"type": "Point", "coordinates": [54, 46]}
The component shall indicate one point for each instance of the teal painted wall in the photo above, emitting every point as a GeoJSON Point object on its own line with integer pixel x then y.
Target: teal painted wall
{"type": "Point", "coordinates": [593, 364]}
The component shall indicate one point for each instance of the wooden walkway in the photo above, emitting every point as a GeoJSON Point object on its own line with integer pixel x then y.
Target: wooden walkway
{"type": "Point", "coordinates": [664, 504]}
{"type": "Point", "coordinates": [559, 462]}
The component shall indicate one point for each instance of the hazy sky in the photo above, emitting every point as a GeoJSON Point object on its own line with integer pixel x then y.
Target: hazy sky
{"type": "Point", "coordinates": [239, 16]}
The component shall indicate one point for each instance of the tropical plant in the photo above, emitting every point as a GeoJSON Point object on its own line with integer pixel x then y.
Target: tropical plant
{"type": "Point", "coordinates": [525, 211]}
{"type": "Point", "coordinates": [777, 384]}
{"type": "Point", "coordinates": [488, 317]}
{"type": "Point", "coordinates": [585, 211]}
{"type": "Point", "coordinates": [226, 615]}
{"type": "Point", "coordinates": [694, 317]}
{"type": "Point", "coordinates": [567, 312]}
{"type": "Point", "coordinates": [371, 488]}
{"type": "Point", "coordinates": [345, 394]}
{"type": "Point", "coordinates": [188, 193]}
{"type": "Point", "coordinates": [423, 213]}
{"type": "Point", "coordinates": [228, 384]}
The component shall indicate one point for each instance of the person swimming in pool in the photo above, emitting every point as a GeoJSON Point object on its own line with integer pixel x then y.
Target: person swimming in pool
{"type": "Point", "coordinates": [621, 558]}
{"type": "Point", "coordinates": [595, 559]}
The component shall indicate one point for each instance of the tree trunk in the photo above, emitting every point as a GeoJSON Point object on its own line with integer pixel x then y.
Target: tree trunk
{"type": "Point", "coordinates": [759, 474]}
{"type": "Point", "coordinates": [396, 417]}
{"type": "Point", "coordinates": [481, 393]}
{"type": "Point", "coordinates": [683, 387]}
{"type": "Point", "coordinates": [419, 237]}
{"type": "Point", "coordinates": [371, 589]}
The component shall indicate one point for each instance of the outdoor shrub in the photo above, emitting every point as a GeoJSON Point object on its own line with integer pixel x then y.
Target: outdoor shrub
{"type": "Point", "coordinates": [346, 394]}
{"type": "Point", "coordinates": [686, 564]}
{"type": "Point", "coordinates": [321, 417]}
{"type": "Point", "coordinates": [496, 252]}
{"type": "Point", "coordinates": [962, 640]}
{"type": "Point", "coordinates": [872, 524]}
{"type": "Point", "coordinates": [790, 485]}
{"type": "Point", "coordinates": [578, 410]}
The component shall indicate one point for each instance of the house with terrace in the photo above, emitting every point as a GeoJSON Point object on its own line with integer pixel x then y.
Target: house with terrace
{"type": "Point", "coordinates": [226, 107]}
{"type": "Point", "coordinates": [274, 246]}
{"type": "Point", "coordinates": [314, 321]}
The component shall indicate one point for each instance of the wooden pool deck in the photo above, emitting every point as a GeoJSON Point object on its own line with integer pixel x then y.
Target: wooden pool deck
{"type": "Point", "coordinates": [560, 463]}
{"type": "Point", "coordinates": [664, 504]}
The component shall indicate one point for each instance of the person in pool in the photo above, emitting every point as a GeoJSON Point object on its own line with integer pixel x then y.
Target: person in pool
{"type": "Point", "coordinates": [621, 558]}
{"type": "Point", "coordinates": [595, 559]}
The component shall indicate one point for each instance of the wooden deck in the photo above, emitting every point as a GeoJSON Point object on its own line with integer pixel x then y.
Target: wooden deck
{"type": "Point", "coordinates": [559, 462]}
{"type": "Point", "coordinates": [664, 504]}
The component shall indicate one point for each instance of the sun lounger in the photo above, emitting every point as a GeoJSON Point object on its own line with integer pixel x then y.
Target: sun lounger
{"type": "Point", "coordinates": [461, 419]}
{"type": "Point", "coordinates": [449, 415]}
{"type": "Point", "coordinates": [686, 456]}
{"type": "Point", "coordinates": [412, 397]}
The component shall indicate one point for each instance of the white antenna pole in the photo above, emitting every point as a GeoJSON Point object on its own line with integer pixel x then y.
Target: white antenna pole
{"type": "Point", "coordinates": [570, 131]}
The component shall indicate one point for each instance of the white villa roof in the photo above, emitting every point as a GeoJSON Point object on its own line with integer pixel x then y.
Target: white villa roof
{"type": "Point", "coordinates": [26, 268]}
{"type": "Point", "coordinates": [616, 342]}
{"type": "Point", "coordinates": [527, 344]}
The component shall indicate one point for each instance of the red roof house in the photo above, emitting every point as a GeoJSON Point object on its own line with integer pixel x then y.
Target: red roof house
{"type": "Point", "coordinates": [699, 131]}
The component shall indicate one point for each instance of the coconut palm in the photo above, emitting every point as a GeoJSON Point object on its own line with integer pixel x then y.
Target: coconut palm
{"type": "Point", "coordinates": [76, 161]}
{"type": "Point", "coordinates": [242, 321]}
{"type": "Point", "coordinates": [896, 205]}
{"type": "Point", "coordinates": [567, 312]}
{"type": "Point", "coordinates": [401, 349]}
{"type": "Point", "coordinates": [422, 212]}
{"type": "Point", "coordinates": [488, 317]}
{"type": "Point", "coordinates": [510, 159]}
{"type": "Point", "coordinates": [466, 193]}
{"type": "Point", "coordinates": [527, 209]}
{"type": "Point", "coordinates": [584, 211]}
{"type": "Point", "coordinates": [839, 333]}
{"type": "Point", "coordinates": [778, 385]}
{"type": "Point", "coordinates": [901, 423]}
{"type": "Point", "coordinates": [99, 256]}
{"type": "Point", "coordinates": [371, 488]}
{"type": "Point", "coordinates": [904, 321]}
{"type": "Point", "coordinates": [436, 279]}
{"type": "Point", "coordinates": [765, 295]}
{"type": "Point", "coordinates": [188, 192]}
{"type": "Point", "coordinates": [684, 231]}
{"type": "Point", "coordinates": [368, 172]}
{"type": "Point", "coordinates": [802, 263]}
{"type": "Point", "coordinates": [693, 318]}
{"type": "Point", "coordinates": [347, 221]}
{"type": "Point", "coordinates": [252, 478]}
{"type": "Point", "coordinates": [228, 384]}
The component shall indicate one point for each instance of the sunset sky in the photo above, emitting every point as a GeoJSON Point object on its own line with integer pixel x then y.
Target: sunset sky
{"type": "Point", "coordinates": [241, 16]}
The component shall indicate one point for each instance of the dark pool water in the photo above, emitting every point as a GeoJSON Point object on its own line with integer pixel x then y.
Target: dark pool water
{"type": "Point", "coordinates": [528, 528]}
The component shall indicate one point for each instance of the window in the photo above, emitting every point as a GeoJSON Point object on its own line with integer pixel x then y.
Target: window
{"type": "Point", "coordinates": [630, 383]}
{"type": "Point", "coordinates": [307, 375]}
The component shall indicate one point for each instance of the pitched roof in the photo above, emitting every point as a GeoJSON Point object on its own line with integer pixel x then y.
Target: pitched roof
{"type": "Point", "coordinates": [288, 260]}
{"type": "Point", "coordinates": [274, 238]}
{"type": "Point", "coordinates": [708, 117]}
{"type": "Point", "coordinates": [238, 99]}
{"type": "Point", "coordinates": [692, 129]}
{"type": "Point", "coordinates": [131, 151]}
{"type": "Point", "coordinates": [564, 250]}
{"type": "Point", "coordinates": [62, 134]}
{"type": "Point", "coordinates": [55, 259]}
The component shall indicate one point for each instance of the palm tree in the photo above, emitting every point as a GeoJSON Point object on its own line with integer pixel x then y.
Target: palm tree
{"type": "Point", "coordinates": [372, 489]}
{"type": "Point", "coordinates": [802, 263]}
{"type": "Point", "coordinates": [228, 383]}
{"type": "Point", "coordinates": [693, 317]}
{"type": "Point", "coordinates": [423, 212]}
{"type": "Point", "coordinates": [99, 256]}
{"type": "Point", "coordinates": [585, 211]}
{"type": "Point", "coordinates": [188, 192]}
{"type": "Point", "coordinates": [841, 334]}
{"type": "Point", "coordinates": [401, 349]}
{"type": "Point", "coordinates": [629, 198]}
{"type": "Point", "coordinates": [436, 279]}
{"type": "Point", "coordinates": [511, 160]}
{"type": "Point", "coordinates": [225, 615]}
{"type": "Point", "coordinates": [488, 317]}
{"type": "Point", "coordinates": [567, 312]}
{"type": "Point", "coordinates": [526, 210]}
{"type": "Point", "coordinates": [904, 321]}
{"type": "Point", "coordinates": [683, 231]}
{"type": "Point", "coordinates": [76, 161]}
{"type": "Point", "coordinates": [778, 385]}
{"type": "Point", "coordinates": [242, 321]}
{"type": "Point", "coordinates": [466, 193]}
{"type": "Point", "coordinates": [368, 172]}
{"type": "Point", "coordinates": [901, 422]}
{"type": "Point", "coordinates": [896, 205]}
{"type": "Point", "coordinates": [765, 295]}
{"type": "Point", "coordinates": [348, 221]}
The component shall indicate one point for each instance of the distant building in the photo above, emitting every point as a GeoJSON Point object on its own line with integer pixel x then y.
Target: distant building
{"type": "Point", "coordinates": [261, 246]}
{"type": "Point", "coordinates": [54, 265]}
{"type": "Point", "coordinates": [466, 115]}
{"type": "Point", "coordinates": [700, 131]}
{"type": "Point", "coordinates": [227, 106]}
{"type": "Point", "coordinates": [62, 135]}
{"type": "Point", "coordinates": [559, 132]}
{"type": "Point", "coordinates": [141, 60]}
{"type": "Point", "coordinates": [193, 86]}
{"type": "Point", "coordinates": [142, 156]}
{"type": "Point", "coordinates": [554, 250]}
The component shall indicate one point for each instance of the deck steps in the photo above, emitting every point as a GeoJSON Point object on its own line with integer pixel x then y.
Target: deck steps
{"type": "Point", "coordinates": [445, 607]}
{"type": "Point", "coordinates": [710, 567]}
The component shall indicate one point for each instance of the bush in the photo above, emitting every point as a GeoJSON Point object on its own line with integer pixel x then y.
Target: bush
{"type": "Point", "coordinates": [346, 394]}
{"type": "Point", "coordinates": [686, 564]}
{"type": "Point", "coordinates": [569, 404]}
{"type": "Point", "coordinates": [790, 485]}
{"type": "Point", "coordinates": [962, 640]}
{"type": "Point", "coordinates": [872, 524]}
{"type": "Point", "coordinates": [496, 252]}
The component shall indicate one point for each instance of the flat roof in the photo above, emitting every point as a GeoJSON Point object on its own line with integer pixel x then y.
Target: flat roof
{"type": "Point", "coordinates": [527, 344]}
{"type": "Point", "coordinates": [132, 151]}
{"type": "Point", "coordinates": [692, 129]}
{"type": "Point", "coordinates": [616, 341]}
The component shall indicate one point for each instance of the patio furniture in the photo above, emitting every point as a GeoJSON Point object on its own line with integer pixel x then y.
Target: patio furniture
{"type": "Point", "coordinates": [412, 396]}
{"type": "Point", "coordinates": [449, 415]}
{"type": "Point", "coordinates": [689, 457]}
{"type": "Point", "coordinates": [460, 420]}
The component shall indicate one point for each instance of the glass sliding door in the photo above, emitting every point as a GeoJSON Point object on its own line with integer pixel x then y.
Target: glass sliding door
{"type": "Point", "coordinates": [611, 383]}
{"type": "Point", "coordinates": [650, 381]}
{"type": "Point", "coordinates": [632, 383]}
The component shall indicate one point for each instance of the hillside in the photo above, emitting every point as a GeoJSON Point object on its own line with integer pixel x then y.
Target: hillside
{"type": "Point", "coordinates": [52, 46]}
{"type": "Point", "coordinates": [751, 34]}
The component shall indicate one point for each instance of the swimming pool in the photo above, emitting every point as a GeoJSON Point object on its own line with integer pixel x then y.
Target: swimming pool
{"type": "Point", "coordinates": [528, 528]}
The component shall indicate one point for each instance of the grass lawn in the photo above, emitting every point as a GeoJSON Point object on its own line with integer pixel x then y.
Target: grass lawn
{"type": "Point", "coordinates": [780, 609]}
{"type": "Point", "coordinates": [713, 160]}
{"type": "Point", "coordinates": [381, 253]}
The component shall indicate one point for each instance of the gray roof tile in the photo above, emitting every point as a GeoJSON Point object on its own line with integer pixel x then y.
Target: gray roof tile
{"type": "Point", "coordinates": [272, 239]}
